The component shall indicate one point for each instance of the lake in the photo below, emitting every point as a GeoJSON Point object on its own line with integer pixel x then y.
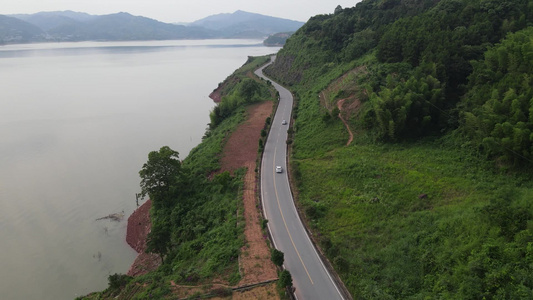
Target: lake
{"type": "Point", "coordinates": [77, 121]}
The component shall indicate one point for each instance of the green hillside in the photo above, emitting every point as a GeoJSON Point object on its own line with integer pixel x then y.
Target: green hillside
{"type": "Point", "coordinates": [433, 198]}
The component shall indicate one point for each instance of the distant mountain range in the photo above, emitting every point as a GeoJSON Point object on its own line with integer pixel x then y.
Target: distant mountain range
{"type": "Point", "coordinates": [76, 26]}
{"type": "Point", "coordinates": [241, 24]}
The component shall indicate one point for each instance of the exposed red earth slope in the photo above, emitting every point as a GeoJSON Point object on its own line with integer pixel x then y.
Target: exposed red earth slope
{"type": "Point", "coordinates": [138, 228]}
{"type": "Point", "coordinates": [241, 151]}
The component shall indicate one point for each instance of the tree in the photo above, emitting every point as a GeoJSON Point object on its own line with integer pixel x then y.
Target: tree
{"type": "Point", "coordinates": [158, 240]}
{"type": "Point", "coordinates": [411, 108]}
{"type": "Point", "coordinates": [497, 111]}
{"type": "Point", "coordinates": [159, 174]}
{"type": "Point", "coordinates": [116, 281]}
{"type": "Point", "coordinates": [249, 88]}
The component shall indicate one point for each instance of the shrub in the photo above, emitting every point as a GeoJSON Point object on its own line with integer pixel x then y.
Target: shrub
{"type": "Point", "coordinates": [277, 257]}
{"type": "Point", "coordinates": [285, 279]}
{"type": "Point", "coordinates": [117, 281]}
{"type": "Point", "coordinates": [264, 223]}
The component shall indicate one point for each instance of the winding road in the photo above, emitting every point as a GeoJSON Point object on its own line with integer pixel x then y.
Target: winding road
{"type": "Point", "coordinates": [310, 277]}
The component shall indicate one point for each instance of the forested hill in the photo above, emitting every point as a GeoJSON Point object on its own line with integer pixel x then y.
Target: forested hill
{"type": "Point", "coordinates": [433, 198]}
{"type": "Point", "coordinates": [14, 30]}
{"type": "Point", "coordinates": [431, 67]}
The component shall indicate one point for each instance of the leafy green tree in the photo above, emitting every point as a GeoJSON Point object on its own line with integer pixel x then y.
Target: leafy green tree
{"type": "Point", "coordinates": [162, 180]}
{"type": "Point", "coordinates": [249, 88]}
{"type": "Point", "coordinates": [160, 175]}
{"type": "Point", "coordinates": [159, 240]}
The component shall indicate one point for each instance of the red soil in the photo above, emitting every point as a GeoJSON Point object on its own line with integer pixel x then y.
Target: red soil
{"type": "Point", "coordinates": [138, 228]}
{"type": "Point", "coordinates": [242, 146]}
{"type": "Point", "coordinates": [241, 151]}
{"type": "Point", "coordinates": [216, 95]}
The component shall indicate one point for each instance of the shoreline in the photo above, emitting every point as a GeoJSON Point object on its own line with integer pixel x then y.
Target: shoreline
{"type": "Point", "coordinates": [139, 227]}
{"type": "Point", "coordinates": [236, 154]}
{"type": "Point", "coordinates": [255, 265]}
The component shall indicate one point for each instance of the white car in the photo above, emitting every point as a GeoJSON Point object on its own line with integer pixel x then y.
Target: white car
{"type": "Point", "coordinates": [283, 122]}
{"type": "Point", "coordinates": [279, 169]}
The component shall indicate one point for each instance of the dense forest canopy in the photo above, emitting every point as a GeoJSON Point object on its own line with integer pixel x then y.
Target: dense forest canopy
{"type": "Point", "coordinates": [497, 110]}
{"type": "Point", "coordinates": [420, 58]}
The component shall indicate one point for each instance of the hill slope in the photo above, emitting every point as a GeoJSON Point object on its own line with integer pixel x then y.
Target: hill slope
{"type": "Point", "coordinates": [13, 30]}
{"type": "Point", "coordinates": [49, 20]}
{"type": "Point", "coordinates": [123, 26]}
{"type": "Point", "coordinates": [432, 199]}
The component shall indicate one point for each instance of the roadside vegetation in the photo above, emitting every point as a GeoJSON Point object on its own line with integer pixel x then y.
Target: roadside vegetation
{"type": "Point", "coordinates": [433, 199]}
{"type": "Point", "coordinates": [197, 222]}
{"type": "Point", "coordinates": [239, 89]}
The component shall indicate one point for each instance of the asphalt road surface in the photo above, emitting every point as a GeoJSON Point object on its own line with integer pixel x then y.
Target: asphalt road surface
{"type": "Point", "coordinates": [309, 275]}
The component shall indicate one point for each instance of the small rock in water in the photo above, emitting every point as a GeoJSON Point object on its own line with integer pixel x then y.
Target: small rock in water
{"type": "Point", "coordinates": [114, 217]}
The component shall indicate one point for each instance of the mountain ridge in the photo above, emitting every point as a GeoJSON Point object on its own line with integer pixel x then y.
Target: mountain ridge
{"type": "Point", "coordinates": [78, 26]}
{"type": "Point", "coordinates": [13, 30]}
{"type": "Point", "coordinates": [230, 23]}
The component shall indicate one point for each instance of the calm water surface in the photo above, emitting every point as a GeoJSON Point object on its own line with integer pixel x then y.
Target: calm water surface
{"type": "Point", "coordinates": [77, 121]}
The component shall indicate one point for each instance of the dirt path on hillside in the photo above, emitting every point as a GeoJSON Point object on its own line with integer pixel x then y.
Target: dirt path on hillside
{"type": "Point", "coordinates": [241, 151]}
{"type": "Point", "coordinates": [340, 106]}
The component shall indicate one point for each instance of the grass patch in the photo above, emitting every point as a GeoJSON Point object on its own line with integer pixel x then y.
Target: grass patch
{"type": "Point", "coordinates": [398, 221]}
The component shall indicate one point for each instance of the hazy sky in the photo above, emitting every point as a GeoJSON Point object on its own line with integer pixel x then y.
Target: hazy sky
{"type": "Point", "coordinates": [180, 10]}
